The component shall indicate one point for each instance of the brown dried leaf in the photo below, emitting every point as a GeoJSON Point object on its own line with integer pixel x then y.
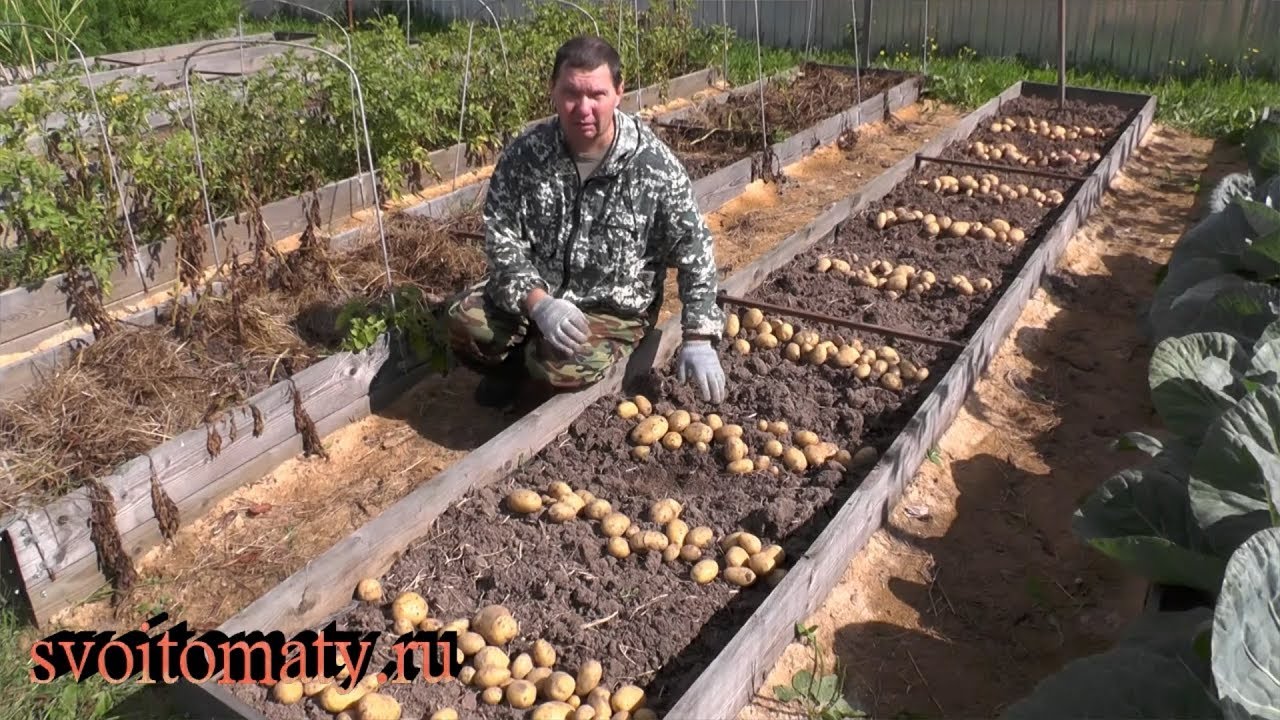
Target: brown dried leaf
{"type": "Point", "coordinates": [257, 509]}
{"type": "Point", "coordinates": [214, 442]}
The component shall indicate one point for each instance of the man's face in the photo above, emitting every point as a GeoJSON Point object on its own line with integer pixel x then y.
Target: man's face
{"type": "Point", "coordinates": [585, 102]}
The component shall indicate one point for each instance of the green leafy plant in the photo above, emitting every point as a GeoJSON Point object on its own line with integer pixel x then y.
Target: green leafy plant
{"type": "Point", "coordinates": [819, 695]}
{"type": "Point", "coordinates": [362, 323]}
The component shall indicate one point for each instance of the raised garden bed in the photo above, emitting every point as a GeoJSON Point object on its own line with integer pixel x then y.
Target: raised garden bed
{"type": "Point", "coordinates": [30, 316]}
{"type": "Point", "coordinates": [57, 558]}
{"type": "Point", "coordinates": [458, 543]}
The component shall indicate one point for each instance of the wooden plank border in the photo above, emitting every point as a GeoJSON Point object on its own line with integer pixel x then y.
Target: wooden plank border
{"type": "Point", "coordinates": [32, 314]}
{"type": "Point", "coordinates": [727, 684]}
{"type": "Point", "coordinates": [56, 558]}
{"type": "Point", "coordinates": [311, 596]}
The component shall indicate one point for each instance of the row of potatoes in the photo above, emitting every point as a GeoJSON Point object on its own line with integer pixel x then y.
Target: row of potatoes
{"type": "Point", "coordinates": [896, 279]}
{"type": "Point", "coordinates": [997, 230]}
{"type": "Point", "coordinates": [1010, 151]}
{"type": "Point", "coordinates": [1043, 128]}
{"type": "Point", "coordinates": [990, 185]}
{"type": "Point", "coordinates": [883, 365]}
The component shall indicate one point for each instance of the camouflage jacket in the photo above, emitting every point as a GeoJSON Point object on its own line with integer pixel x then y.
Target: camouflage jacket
{"type": "Point", "coordinates": [604, 244]}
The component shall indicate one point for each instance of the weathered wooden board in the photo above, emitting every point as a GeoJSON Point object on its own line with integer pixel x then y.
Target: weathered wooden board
{"type": "Point", "coordinates": [727, 684]}
{"type": "Point", "coordinates": [55, 554]}
{"type": "Point", "coordinates": [31, 315]}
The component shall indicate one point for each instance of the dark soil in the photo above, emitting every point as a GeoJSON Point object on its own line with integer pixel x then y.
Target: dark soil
{"type": "Point", "coordinates": [641, 617]}
{"type": "Point", "coordinates": [719, 134]}
{"type": "Point", "coordinates": [1107, 118]}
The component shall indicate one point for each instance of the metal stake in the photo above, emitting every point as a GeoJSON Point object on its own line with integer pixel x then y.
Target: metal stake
{"type": "Point", "coordinates": [1062, 53]}
{"type": "Point", "coordinates": [462, 112]}
{"type": "Point", "coordinates": [724, 298]}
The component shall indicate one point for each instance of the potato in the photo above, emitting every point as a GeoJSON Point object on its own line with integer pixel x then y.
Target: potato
{"type": "Point", "coordinates": [585, 712]}
{"type": "Point", "coordinates": [678, 420]}
{"type": "Point", "coordinates": [776, 576]}
{"type": "Point", "coordinates": [287, 692]}
{"type": "Point", "coordinates": [983, 285]}
{"type": "Point", "coordinates": [644, 714]}
{"type": "Point", "coordinates": [862, 371]}
{"type": "Point", "coordinates": [697, 432]}
{"type": "Point", "coordinates": [558, 489]}
{"type": "Point", "coordinates": [627, 698]}
{"type": "Point", "coordinates": [543, 654]}
{"type": "Point", "coordinates": [819, 453]}
{"type": "Point", "coordinates": [411, 606]}
{"type": "Point", "coordinates": [732, 324]}
{"type": "Point", "coordinates": [847, 357]}
{"type": "Point", "coordinates": [741, 576]}
{"type": "Point", "coordinates": [619, 547]}
{"type": "Point", "coordinates": [524, 501]}
{"type": "Point", "coordinates": [670, 553]}
{"type": "Point", "coordinates": [714, 422]}
{"type": "Point", "coordinates": [445, 714]}
{"type": "Point", "coordinates": [741, 466]}
{"type": "Point", "coordinates": [794, 460]}
{"type": "Point", "coordinates": [466, 675]}
{"type": "Point", "coordinates": [402, 626]}
{"type": "Point", "coordinates": [749, 542]}
{"type": "Point", "coordinates": [521, 694]}
{"type": "Point", "coordinates": [491, 677]}
{"type": "Point", "coordinates": [700, 537]}
{"type": "Point", "coordinates": [561, 512]}
{"type": "Point", "coordinates": [791, 352]}
{"type": "Point", "coordinates": [459, 626]}
{"type": "Point", "coordinates": [762, 563]}
{"type": "Point", "coordinates": [922, 374]}
{"type": "Point", "coordinates": [896, 283]}
{"type": "Point", "coordinates": [614, 524]}
{"type": "Point", "coordinates": [773, 448]}
{"type": "Point", "coordinates": [597, 509]}
{"type": "Point", "coordinates": [334, 699]}
{"type": "Point", "coordinates": [736, 556]}
{"type": "Point", "coordinates": [731, 430]}
{"type": "Point", "coordinates": [665, 510]}
{"type": "Point", "coordinates": [553, 710]}
{"type": "Point", "coordinates": [495, 624]}
{"type": "Point", "coordinates": [804, 438]}
{"type": "Point", "coordinates": [640, 452]}
{"type": "Point", "coordinates": [690, 553]}
{"type": "Point", "coordinates": [642, 402]}
{"type": "Point", "coordinates": [702, 447]}
{"type": "Point", "coordinates": [597, 696]}
{"type": "Point", "coordinates": [588, 677]}
{"type": "Point", "coordinates": [1016, 235]}
{"type": "Point", "coordinates": [823, 264]}
{"type": "Point", "coordinates": [762, 463]}
{"type": "Point", "coordinates": [538, 674]}
{"type": "Point", "coordinates": [741, 346]}
{"type": "Point", "coordinates": [891, 381]}
{"type": "Point", "coordinates": [490, 656]}
{"type": "Point", "coordinates": [768, 341]}
{"type": "Point", "coordinates": [959, 229]}
{"type": "Point", "coordinates": [654, 540]}
{"type": "Point", "coordinates": [786, 332]}
{"type": "Point", "coordinates": [864, 456]}
{"type": "Point", "coordinates": [889, 355]}
{"type": "Point", "coordinates": [521, 665]}
{"type": "Point", "coordinates": [375, 706]}
{"type": "Point", "coordinates": [627, 410]}
{"type": "Point", "coordinates": [677, 531]}
{"type": "Point", "coordinates": [649, 430]}
{"type": "Point", "coordinates": [672, 441]}
{"type": "Point", "coordinates": [880, 366]}
{"type": "Point", "coordinates": [734, 449]}
{"type": "Point", "coordinates": [779, 428]}
{"type": "Point", "coordinates": [315, 687]}
{"type": "Point", "coordinates": [557, 686]}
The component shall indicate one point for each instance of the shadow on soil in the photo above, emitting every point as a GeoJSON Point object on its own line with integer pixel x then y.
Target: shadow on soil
{"type": "Point", "coordinates": [1009, 594]}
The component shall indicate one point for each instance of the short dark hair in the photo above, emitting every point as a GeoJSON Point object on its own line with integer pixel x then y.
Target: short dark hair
{"type": "Point", "coordinates": [587, 52]}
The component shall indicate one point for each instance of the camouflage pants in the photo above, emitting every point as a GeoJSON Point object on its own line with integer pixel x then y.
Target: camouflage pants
{"type": "Point", "coordinates": [485, 336]}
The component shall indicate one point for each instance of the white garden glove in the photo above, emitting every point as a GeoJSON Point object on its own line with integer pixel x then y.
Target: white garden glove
{"type": "Point", "coordinates": [699, 359]}
{"type": "Point", "coordinates": [562, 324]}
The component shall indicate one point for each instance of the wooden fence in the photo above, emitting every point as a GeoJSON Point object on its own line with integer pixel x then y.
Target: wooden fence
{"type": "Point", "coordinates": [1139, 37]}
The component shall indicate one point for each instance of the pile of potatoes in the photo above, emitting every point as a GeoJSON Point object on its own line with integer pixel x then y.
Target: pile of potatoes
{"type": "Point", "coordinates": [1043, 128]}
{"type": "Point", "coordinates": [1009, 151]}
{"type": "Point", "coordinates": [991, 186]}
{"type": "Point", "coordinates": [999, 229]}
{"type": "Point", "coordinates": [964, 286]}
{"type": "Point", "coordinates": [894, 280]}
{"type": "Point", "coordinates": [807, 346]}
{"type": "Point", "coordinates": [674, 430]}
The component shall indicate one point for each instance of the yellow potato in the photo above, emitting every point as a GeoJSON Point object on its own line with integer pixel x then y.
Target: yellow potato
{"type": "Point", "coordinates": [490, 656]}
{"type": "Point", "coordinates": [983, 285]}
{"type": "Point", "coordinates": [690, 553]}
{"type": "Point", "coordinates": [702, 447]}
{"type": "Point", "coordinates": [642, 402]}
{"type": "Point", "coordinates": [700, 537]}
{"type": "Point", "coordinates": [627, 410]}
{"type": "Point", "coordinates": [704, 571]}
{"type": "Point", "coordinates": [677, 531]}
{"type": "Point", "coordinates": [644, 714]}
{"type": "Point", "coordinates": [588, 677]}
{"type": "Point", "coordinates": [768, 341]}
{"type": "Point", "coordinates": [627, 698]}
{"type": "Point", "coordinates": [779, 428]}
{"type": "Point", "coordinates": [597, 696]}
{"type": "Point", "coordinates": [794, 460]}
{"type": "Point", "coordinates": [847, 357]}
{"type": "Point", "coordinates": [491, 677]}
{"type": "Point", "coordinates": [752, 319]}
{"type": "Point", "coordinates": [410, 606]}
{"type": "Point", "coordinates": [561, 512]}
{"type": "Point", "coordinates": [819, 453]}
{"type": "Point", "coordinates": [584, 712]}
{"type": "Point", "coordinates": [619, 547]}
{"type": "Point", "coordinates": [762, 463]}
{"type": "Point", "coordinates": [557, 686]}
{"type": "Point", "coordinates": [521, 694]}
{"type": "Point", "coordinates": [749, 542]}
{"type": "Point", "coordinates": [740, 466]}
{"type": "Point", "coordinates": [559, 489]}
{"type": "Point", "coordinates": [678, 420]}
{"type": "Point", "coordinates": [315, 687]}
{"type": "Point", "coordinates": [773, 448]}
{"type": "Point", "coordinates": [496, 625]}
{"type": "Point", "coordinates": [732, 324]}
{"type": "Point", "coordinates": [521, 665]}
{"type": "Point", "coordinates": [762, 563]}
{"type": "Point", "coordinates": [543, 654]}
{"type": "Point", "coordinates": [665, 510]}
{"type": "Point", "coordinates": [734, 449]}
{"type": "Point", "coordinates": [597, 509]}
{"type": "Point", "coordinates": [614, 524]}
{"type": "Point", "coordinates": [741, 346]}
{"type": "Point", "coordinates": [791, 352]}
{"type": "Point", "coordinates": [466, 675]}
{"type": "Point", "coordinates": [865, 456]}
{"type": "Point", "coordinates": [552, 710]}
{"type": "Point", "coordinates": [741, 576]}
{"type": "Point", "coordinates": [724, 432]}
{"type": "Point", "coordinates": [649, 430]}
{"type": "Point", "coordinates": [786, 332]}
{"type": "Point", "coordinates": [334, 699]}
{"type": "Point", "coordinates": [287, 692]}
{"type": "Point", "coordinates": [804, 438]}
{"type": "Point", "coordinates": [369, 590]}
{"type": "Point", "coordinates": [524, 501]}
{"type": "Point", "coordinates": [881, 366]}
{"type": "Point", "coordinates": [402, 626]}
{"type": "Point", "coordinates": [654, 540]}
{"type": "Point", "coordinates": [891, 381]}
{"type": "Point", "coordinates": [889, 355]}
{"type": "Point", "coordinates": [672, 441]}
{"type": "Point", "coordinates": [445, 714]}
{"type": "Point", "coordinates": [736, 557]}
{"type": "Point", "coordinates": [378, 707]}
{"type": "Point", "coordinates": [459, 626]}
{"type": "Point", "coordinates": [698, 432]}
{"type": "Point", "coordinates": [538, 674]}
{"type": "Point", "coordinates": [714, 422]}
{"type": "Point", "coordinates": [640, 452]}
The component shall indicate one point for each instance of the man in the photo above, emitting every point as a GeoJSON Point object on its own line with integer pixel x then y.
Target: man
{"type": "Point", "coordinates": [584, 214]}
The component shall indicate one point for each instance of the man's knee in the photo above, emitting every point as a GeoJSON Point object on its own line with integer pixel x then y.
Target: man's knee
{"type": "Point", "coordinates": [475, 331]}
{"type": "Point", "coordinates": [605, 350]}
